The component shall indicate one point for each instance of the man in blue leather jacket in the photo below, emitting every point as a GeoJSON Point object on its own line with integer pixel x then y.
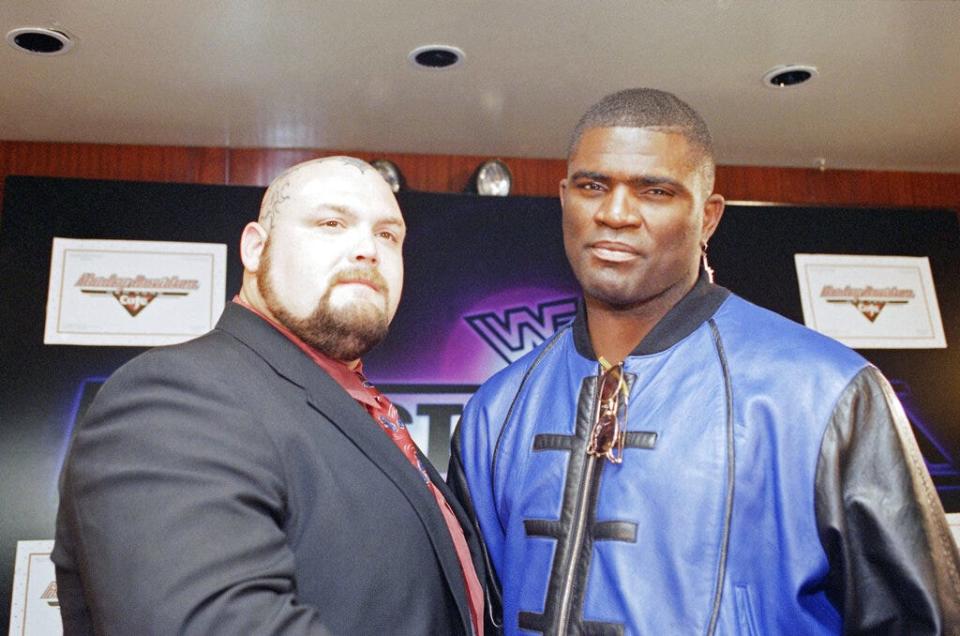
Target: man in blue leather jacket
{"type": "Point", "coordinates": [678, 460]}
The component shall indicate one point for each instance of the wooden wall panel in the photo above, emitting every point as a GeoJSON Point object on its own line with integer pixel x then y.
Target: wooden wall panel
{"type": "Point", "coordinates": [95, 161]}
{"type": "Point", "coordinates": [450, 173]}
{"type": "Point", "coordinates": [258, 166]}
{"type": "Point", "coordinates": [429, 173]}
{"type": "Point", "coordinates": [853, 187]}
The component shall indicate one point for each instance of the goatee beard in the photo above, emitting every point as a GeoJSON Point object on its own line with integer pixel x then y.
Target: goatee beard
{"type": "Point", "coordinates": [344, 333]}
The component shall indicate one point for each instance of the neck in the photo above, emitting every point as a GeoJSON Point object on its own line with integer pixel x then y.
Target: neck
{"type": "Point", "coordinates": [616, 331]}
{"type": "Point", "coordinates": [250, 298]}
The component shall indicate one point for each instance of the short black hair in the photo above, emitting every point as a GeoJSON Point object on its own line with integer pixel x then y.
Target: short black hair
{"type": "Point", "coordinates": [647, 108]}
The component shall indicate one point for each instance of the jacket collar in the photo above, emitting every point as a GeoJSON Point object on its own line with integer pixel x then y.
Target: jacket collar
{"type": "Point", "coordinates": [698, 305]}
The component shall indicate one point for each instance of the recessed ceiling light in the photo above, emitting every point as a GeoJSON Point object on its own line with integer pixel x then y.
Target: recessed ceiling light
{"type": "Point", "coordinates": [436, 56]}
{"type": "Point", "coordinates": [787, 75]}
{"type": "Point", "coordinates": [39, 41]}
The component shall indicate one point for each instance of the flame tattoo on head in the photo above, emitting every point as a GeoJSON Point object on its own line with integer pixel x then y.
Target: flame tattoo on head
{"type": "Point", "coordinates": [278, 192]}
{"type": "Point", "coordinates": [276, 195]}
{"type": "Point", "coordinates": [359, 164]}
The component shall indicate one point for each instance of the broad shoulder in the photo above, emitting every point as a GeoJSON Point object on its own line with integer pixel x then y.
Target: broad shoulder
{"type": "Point", "coordinates": [502, 386]}
{"type": "Point", "coordinates": [753, 333]}
{"type": "Point", "coordinates": [213, 353]}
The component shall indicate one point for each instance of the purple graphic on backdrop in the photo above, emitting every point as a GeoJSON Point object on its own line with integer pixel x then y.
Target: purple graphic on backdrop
{"type": "Point", "coordinates": [514, 331]}
{"type": "Point", "coordinates": [473, 341]}
{"type": "Point", "coordinates": [501, 328]}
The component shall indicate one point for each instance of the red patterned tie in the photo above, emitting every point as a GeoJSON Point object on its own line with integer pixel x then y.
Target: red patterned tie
{"type": "Point", "coordinates": [385, 413]}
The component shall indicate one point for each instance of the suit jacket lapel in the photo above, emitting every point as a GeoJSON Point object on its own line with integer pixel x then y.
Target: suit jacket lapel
{"type": "Point", "coordinates": [473, 542]}
{"type": "Point", "coordinates": [461, 514]}
{"type": "Point", "coordinates": [381, 450]}
{"type": "Point", "coordinates": [337, 406]}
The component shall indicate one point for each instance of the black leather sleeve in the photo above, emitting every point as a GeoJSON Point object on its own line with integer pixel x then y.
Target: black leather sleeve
{"type": "Point", "coordinates": [894, 568]}
{"type": "Point", "coordinates": [457, 481]}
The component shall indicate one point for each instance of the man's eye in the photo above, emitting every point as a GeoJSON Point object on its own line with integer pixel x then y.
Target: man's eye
{"type": "Point", "coordinates": [390, 236]}
{"type": "Point", "coordinates": [592, 186]}
{"type": "Point", "coordinates": [332, 223]}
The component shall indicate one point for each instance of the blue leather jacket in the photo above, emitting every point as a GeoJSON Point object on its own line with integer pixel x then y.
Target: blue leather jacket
{"type": "Point", "coordinates": [770, 485]}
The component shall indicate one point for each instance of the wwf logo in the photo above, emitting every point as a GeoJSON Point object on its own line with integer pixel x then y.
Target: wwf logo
{"type": "Point", "coordinates": [518, 330]}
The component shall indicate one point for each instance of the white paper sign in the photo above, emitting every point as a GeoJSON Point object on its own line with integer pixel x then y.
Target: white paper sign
{"type": "Point", "coordinates": [34, 609]}
{"type": "Point", "coordinates": [953, 519]}
{"type": "Point", "coordinates": [871, 302]}
{"type": "Point", "coordinates": [133, 293]}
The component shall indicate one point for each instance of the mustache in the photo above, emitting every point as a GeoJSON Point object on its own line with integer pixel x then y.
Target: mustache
{"type": "Point", "coordinates": [364, 274]}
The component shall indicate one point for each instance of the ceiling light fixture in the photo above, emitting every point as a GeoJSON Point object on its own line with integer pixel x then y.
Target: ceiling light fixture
{"type": "Point", "coordinates": [492, 178]}
{"type": "Point", "coordinates": [789, 75]}
{"type": "Point", "coordinates": [436, 56]}
{"type": "Point", "coordinates": [390, 173]}
{"type": "Point", "coordinates": [39, 41]}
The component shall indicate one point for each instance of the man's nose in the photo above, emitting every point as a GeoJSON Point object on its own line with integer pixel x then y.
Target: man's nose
{"type": "Point", "coordinates": [618, 209]}
{"type": "Point", "coordinates": [365, 249]}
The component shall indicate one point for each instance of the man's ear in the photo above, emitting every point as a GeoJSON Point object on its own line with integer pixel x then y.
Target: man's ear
{"type": "Point", "coordinates": [252, 241]}
{"type": "Point", "coordinates": [563, 190]}
{"type": "Point", "coordinates": [712, 213]}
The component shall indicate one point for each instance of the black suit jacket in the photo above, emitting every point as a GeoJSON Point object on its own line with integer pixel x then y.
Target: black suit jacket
{"type": "Point", "coordinates": [229, 486]}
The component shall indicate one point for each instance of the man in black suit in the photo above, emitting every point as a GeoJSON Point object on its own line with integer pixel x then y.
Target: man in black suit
{"type": "Point", "coordinates": [252, 481]}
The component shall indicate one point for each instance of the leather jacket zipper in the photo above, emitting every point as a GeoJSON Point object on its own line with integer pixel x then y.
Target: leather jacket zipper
{"type": "Point", "coordinates": [579, 525]}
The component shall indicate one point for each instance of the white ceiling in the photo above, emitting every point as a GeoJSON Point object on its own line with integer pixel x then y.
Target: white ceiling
{"type": "Point", "coordinates": [334, 74]}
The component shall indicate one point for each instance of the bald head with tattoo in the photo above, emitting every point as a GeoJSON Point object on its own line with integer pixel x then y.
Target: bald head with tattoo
{"type": "Point", "coordinates": [325, 257]}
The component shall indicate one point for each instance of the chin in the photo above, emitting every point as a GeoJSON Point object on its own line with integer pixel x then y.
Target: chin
{"type": "Point", "coordinates": [609, 292]}
{"type": "Point", "coordinates": [616, 301]}
{"type": "Point", "coordinates": [348, 299]}
{"type": "Point", "coordinates": [344, 333]}
{"type": "Point", "coordinates": [349, 309]}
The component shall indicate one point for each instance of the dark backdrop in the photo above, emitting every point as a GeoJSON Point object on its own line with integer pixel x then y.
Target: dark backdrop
{"type": "Point", "coordinates": [486, 280]}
